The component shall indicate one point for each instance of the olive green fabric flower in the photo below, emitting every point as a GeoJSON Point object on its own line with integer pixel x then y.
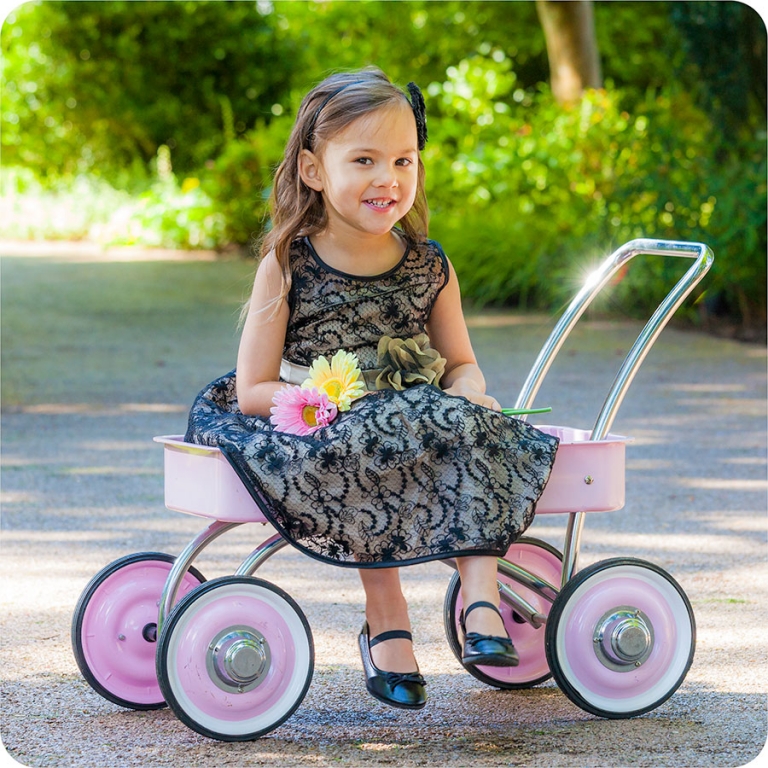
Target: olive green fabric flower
{"type": "Point", "coordinates": [404, 363]}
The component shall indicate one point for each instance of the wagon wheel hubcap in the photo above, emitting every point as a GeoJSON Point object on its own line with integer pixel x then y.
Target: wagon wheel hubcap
{"type": "Point", "coordinates": [623, 638]}
{"type": "Point", "coordinates": [238, 659]}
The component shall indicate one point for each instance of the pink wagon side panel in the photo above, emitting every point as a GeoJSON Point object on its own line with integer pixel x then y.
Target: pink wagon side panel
{"type": "Point", "coordinates": [587, 476]}
{"type": "Point", "coordinates": [200, 481]}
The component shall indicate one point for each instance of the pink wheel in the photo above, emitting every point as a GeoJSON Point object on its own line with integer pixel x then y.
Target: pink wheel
{"type": "Point", "coordinates": [235, 658]}
{"type": "Point", "coordinates": [114, 628]}
{"type": "Point", "coordinates": [542, 560]}
{"type": "Point", "coordinates": [620, 637]}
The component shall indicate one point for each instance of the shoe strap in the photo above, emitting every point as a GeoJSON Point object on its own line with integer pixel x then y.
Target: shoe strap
{"type": "Point", "coordinates": [481, 604]}
{"type": "Point", "coordinates": [392, 634]}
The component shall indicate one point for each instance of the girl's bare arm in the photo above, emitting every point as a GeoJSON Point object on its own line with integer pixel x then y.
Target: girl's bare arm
{"type": "Point", "coordinates": [261, 343]}
{"type": "Point", "coordinates": [448, 334]}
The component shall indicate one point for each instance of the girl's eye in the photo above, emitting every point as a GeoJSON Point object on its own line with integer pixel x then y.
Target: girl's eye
{"type": "Point", "coordinates": [405, 161]}
{"type": "Point", "coordinates": [364, 160]}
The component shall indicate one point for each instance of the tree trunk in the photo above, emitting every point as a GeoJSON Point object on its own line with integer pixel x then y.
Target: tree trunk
{"type": "Point", "coordinates": [574, 63]}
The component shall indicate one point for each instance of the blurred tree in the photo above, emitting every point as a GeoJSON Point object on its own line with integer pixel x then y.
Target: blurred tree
{"type": "Point", "coordinates": [574, 62]}
{"type": "Point", "coordinates": [417, 39]}
{"type": "Point", "coordinates": [97, 85]}
{"type": "Point", "coordinates": [640, 48]}
{"type": "Point", "coordinates": [205, 92]}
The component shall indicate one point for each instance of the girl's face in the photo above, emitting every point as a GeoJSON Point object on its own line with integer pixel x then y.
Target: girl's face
{"type": "Point", "coordinates": [367, 173]}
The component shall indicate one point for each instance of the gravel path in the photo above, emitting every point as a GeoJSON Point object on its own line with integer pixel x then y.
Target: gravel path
{"type": "Point", "coordinates": [82, 485]}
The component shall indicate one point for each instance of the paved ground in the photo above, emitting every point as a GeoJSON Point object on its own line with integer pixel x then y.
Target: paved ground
{"type": "Point", "coordinates": [90, 374]}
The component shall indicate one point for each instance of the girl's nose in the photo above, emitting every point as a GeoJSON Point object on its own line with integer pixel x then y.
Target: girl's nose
{"type": "Point", "coordinates": [386, 177]}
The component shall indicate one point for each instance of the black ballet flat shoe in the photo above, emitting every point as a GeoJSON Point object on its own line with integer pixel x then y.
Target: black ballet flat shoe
{"type": "Point", "coordinates": [486, 650]}
{"type": "Point", "coordinates": [404, 690]}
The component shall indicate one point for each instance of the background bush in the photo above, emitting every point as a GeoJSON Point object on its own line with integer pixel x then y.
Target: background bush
{"type": "Point", "coordinates": [161, 124]}
{"type": "Point", "coordinates": [543, 188]}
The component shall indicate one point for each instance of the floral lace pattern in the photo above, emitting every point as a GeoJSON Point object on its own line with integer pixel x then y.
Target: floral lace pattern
{"type": "Point", "coordinates": [403, 476]}
{"type": "Point", "coordinates": [331, 310]}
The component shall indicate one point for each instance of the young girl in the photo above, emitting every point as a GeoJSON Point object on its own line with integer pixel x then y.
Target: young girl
{"type": "Point", "coordinates": [352, 299]}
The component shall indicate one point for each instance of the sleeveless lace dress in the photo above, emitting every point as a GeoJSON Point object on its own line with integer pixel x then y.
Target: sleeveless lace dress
{"type": "Point", "coordinates": [403, 476]}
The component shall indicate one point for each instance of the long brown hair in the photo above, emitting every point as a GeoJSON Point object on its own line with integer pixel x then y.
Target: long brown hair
{"type": "Point", "coordinates": [298, 211]}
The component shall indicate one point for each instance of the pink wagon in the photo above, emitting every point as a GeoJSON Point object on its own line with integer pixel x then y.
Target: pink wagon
{"type": "Point", "coordinates": [233, 657]}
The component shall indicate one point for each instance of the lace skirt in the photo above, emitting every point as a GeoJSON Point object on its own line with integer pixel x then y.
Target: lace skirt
{"type": "Point", "coordinates": [401, 478]}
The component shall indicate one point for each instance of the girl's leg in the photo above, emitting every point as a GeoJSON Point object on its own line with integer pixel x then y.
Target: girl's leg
{"type": "Point", "coordinates": [386, 609]}
{"type": "Point", "coordinates": [478, 582]}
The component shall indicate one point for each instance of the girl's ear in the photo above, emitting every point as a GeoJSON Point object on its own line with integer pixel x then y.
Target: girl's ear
{"type": "Point", "coordinates": [309, 170]}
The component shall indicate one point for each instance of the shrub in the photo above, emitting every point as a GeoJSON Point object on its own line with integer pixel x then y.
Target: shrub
{"type": "Point", "coordinates": [239, 180]}
{"type": "Point", "coordinates": [526, 194]}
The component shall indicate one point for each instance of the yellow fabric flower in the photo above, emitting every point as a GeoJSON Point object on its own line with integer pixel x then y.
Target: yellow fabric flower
{"type": "Point", "coordinates": [341, 380]}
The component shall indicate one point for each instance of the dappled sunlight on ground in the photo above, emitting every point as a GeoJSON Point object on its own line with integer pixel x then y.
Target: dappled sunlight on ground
{"type": "Point", "coordinates": [757, 521]}
{"type": "Point", "coordinates": [731, 405]}
{"type": "Point", "coordinates": [745, 460]}
{"type": "Point", "coordinates": [723, 483]}
{"type": "Point", "coordinates": [42, 537]}
{"type": "Point", "coordinates": [493, 320]}
{"type": "Point", "coordinates": [648, 464]}
{"type": "Point", "coordinates": [641, 437]}
{"type": "Point", "coordinates": [112, 470]}
{"type": "Point", "coordinates": [679, 542]}
{"type": "Point", "coordinates": [72, 252]}
{"type": "Point", "coordinates": [113, 445]}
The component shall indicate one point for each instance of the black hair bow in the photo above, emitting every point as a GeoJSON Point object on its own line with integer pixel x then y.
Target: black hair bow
{"type": "Point", "coordinates": [420, 113]}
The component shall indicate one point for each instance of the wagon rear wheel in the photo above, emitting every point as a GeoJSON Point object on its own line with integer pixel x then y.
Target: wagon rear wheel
{"type": "Point", "coordinates": [541, 559]}
{"type": "Point", "coordinates": [114, 628]}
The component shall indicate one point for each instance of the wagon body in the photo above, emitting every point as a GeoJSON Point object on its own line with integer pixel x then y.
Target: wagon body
{"type": "Point", "coordinates": [587, 476]}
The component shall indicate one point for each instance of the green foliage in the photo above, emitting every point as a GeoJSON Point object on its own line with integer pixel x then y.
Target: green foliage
{"type": "Point", "coordinates": [95, 85]}
{"type": "Point", "coordinates": [732, 83]}
{"type": "Point", "coordinates": [71, 211]}
{"type": "Point", "coordinates": [161, 123]}
{"type": "Point", "coordinates": [167, 215]}
{"type": "Point", "coordinates": [526, 199]}
{"type": "Point", "coordinates": [239, 180]}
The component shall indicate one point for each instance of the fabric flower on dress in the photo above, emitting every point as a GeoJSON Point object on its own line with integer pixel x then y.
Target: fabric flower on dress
{"type": "Point", "coordinates": [340, 379]}
{"type": "Point", "coordinates": [301, 410]}
{"type": "Point", "coordinates": [407, 362]}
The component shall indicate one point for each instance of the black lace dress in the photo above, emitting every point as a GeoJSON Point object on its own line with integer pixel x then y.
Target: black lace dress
{"type": "Point", "coordinates": [403, 476]}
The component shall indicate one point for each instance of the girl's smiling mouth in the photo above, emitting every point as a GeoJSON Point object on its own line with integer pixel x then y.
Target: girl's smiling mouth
{"type": "Point", "coordinates": [380, 204]}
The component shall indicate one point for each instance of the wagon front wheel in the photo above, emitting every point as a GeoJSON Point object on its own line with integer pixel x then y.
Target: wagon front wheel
{"type": "Point", "coordinates": [620, 637]}
{"type": "Point", "coordinates": [235, 658]}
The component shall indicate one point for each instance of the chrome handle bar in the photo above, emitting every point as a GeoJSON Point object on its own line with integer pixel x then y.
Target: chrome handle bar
{"type": "Point", "coordinates": [594, 284]}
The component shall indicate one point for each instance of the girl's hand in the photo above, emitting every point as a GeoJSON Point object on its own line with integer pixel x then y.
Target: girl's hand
{"type": "Point", "coordinates": [474, 396]}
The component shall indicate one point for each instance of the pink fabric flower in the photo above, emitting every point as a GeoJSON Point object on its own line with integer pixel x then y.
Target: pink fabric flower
{"type": "Point", "coordinates": [301, 410]}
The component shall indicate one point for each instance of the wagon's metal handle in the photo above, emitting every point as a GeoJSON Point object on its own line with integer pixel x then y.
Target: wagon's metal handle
{"type": "Point", "coordinates": [594, 284]}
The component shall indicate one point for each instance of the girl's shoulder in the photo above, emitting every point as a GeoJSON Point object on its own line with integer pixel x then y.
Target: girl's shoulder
{"type": "Point", "coordinates": [430, 248]}
{"type": "Point", "coordinates": [300, 249]}
{"type": "Point", "coordinates": [428, 255]}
